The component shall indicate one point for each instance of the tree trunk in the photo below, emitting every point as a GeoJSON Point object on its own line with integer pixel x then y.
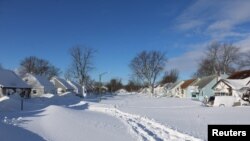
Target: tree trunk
{"type": "Point", "coordinates": [152, 89]}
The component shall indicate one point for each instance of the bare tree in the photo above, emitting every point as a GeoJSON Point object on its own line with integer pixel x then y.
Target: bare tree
{"type": "Point", "coordinates": [244, 62]}
{"type": "Point", "coordinates": [218, 59]}
{"type": "Point", "coordinates": [37, 66]}
{"type": "Point", "coordinates": [133, 86]}
{"type": "Point", "coordinates": [82, 58]}
{"type": "Point", "coordinates": [170, 76]}
{"type": "Point", "coordinates": [114, 85]}
{"type": "Point", "coordinates": [147, 66]}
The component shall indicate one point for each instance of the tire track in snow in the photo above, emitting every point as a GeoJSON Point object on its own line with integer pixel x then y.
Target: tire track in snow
{"type": "Point", "coordinates": [143, 128]}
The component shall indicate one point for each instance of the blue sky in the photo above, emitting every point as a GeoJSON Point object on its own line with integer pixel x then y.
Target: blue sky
{"type": "Point", "coordinates": [119, 29]}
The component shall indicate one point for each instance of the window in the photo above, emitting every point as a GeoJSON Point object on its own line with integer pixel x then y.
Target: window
{"type": "Point", "coordinates": [221, 94]}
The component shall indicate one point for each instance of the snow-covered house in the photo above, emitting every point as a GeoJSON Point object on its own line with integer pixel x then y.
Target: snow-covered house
{"type": "Point", "coordinates": [231, 91]}
{"type": "Point", "coordinates": [231, 87]}
{"type": "Point", "coordinates": [167, 88]}
{"type": "Point", "coordinates": [61, 85]}
{"type": "Point", "coordinates": [187, 88]}
{"type": "Point", "coordinates": [162, 90]}
{"type": "Point", "coordinates": [78, 89]}
{"type": "Point", "coordinates": [11, 83]}
{"type": "Point", "coordinates": [175, 89]}
{"type": "Point", "coordinates": [39, 84]}
{"type": "Point", "coordinates": [204, 87]}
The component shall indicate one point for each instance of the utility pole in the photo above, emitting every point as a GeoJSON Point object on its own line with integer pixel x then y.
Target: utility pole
{"type": "Point", "coordinates": [100, 82]}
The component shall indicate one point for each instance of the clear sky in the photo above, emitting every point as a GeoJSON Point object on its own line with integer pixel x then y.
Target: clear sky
{"type": "Point", "coordinates": [119, 29]}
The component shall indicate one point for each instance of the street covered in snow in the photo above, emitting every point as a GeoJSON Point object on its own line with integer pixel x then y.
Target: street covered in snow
{"type": "Point", "coordinates": [112, 117]}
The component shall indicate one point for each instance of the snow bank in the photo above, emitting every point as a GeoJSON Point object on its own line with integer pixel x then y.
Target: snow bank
{"type": "Point", "coordinates": [121, 91]}
{"type": "Point", "coordinates": [47, 95]}
{"type": "Point", "coordinates": [4, 98]}
{"type": "Point", "coordinates": [58, 123]}
{"type": "Point", "coordinates": [224, 101]}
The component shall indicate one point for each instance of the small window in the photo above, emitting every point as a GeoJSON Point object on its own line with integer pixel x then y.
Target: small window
{"type": "Point", "coordinates": [34, 91]}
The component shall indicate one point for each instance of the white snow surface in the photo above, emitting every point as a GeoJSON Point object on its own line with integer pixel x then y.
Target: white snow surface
{"type": "Point", "coordinates": [77, 87]}
{"type": "Point", "coordinates": [63, 82]}
{"type": "Point", "coordinates": [128, 117]}
{"type": "Point", "coordinates": [226, 101]}
{"type": "Point", "coordinates": [238, 83]}
{"type": "Point", "coordinates": [9, 79]}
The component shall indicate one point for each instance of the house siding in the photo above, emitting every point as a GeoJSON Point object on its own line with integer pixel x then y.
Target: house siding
{"type": "Point", "coordinates": [59, 85]}
{"type": "Point", "coordinates": [207, 91]}
{"type": "Point", "coordinates": [38, 88]}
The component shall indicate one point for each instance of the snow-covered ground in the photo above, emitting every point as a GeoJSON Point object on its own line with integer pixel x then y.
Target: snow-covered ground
{"type": "Point", "coordinates": [125, 117]}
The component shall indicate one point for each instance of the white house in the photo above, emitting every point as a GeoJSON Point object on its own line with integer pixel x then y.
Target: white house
{"type": "Point", "coordinates": [39, 84]}
{"type": "Point", "coordinates": [231, 87]}
{"type": "Point", "coordinates": [187, 88]}
{"type": "Point", "coordinates": [78, 89]}
{"type": "Point", "coordinates": [11, 83]}
{"type": "Point", "coordinates": [175, 89]}
{"type": "Point", "coordinates": [61, 85]}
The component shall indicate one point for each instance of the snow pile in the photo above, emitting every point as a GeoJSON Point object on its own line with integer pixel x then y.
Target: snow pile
{"type": "Point", "coordinates": [224, 101]}
{"type": "Point", "coordinates": [11, 103]}
{"type": "Point", "coordinates": [47, 95]}
{"type": "Point", "coordinates": [4, 98]}
{"type": "Point", "coordinates": [12, 121]}
{"type": "Point", "coordinates": [81, 103]}
{"type": "Point", "coordinates": [58, 123]}
{"type": "Point", "coordinates": [10, 132]}
{"type": "Point", "coordinates": [121, 91]}
{"type": "Point", "coordinates": [160, 90]}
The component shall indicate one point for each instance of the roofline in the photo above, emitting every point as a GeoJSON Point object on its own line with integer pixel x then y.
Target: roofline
{"type": "Point", "coordinates": [34, 76]}
{"type": "Point", "coordinates": [222, 80]}
{"type": "Point", "coordinates": [15, 87]}
{"type": "Point", "coordinates": [63, 84]}
{"type": "Point", "coordinates": [215, 77]}
{"type": "Point", "coordinates": [178, 83]}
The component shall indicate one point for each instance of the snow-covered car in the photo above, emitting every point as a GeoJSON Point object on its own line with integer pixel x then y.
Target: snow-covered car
{"type": "Point", "coordinates": [228, 101]}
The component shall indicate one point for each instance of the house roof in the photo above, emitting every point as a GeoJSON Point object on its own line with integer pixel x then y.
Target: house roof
{"type": "Point", "coordinates": [64, 83]}
{"type": "Point", "coordinates": [168, 85]}
{"type": "Point", "coordinates": [75, 85]}
{"type": "Point", "coordinates": [9, 79]}
{"type": "Point", "coordinates": [187, 83]}
{"type": "Point", "coordinates": [176, 84]}
{"type": "Point", "coordinates": [42, 80]}
{"type": "Point", "coordinates": [240, 75]}
{"type": "Point", "coordinates": [237, 83]}
{"type": "Point", "coordinates": [204, 81]}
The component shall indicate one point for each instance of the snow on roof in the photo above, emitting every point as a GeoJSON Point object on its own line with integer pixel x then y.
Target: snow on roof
{"type": "Point", "coordinates": [63, 82]}
{"type": "Point", "coordinates": [9, 79]}
{"type": "Point", "coordinates": [176, 84]}
{"type": "Point", "coordinates": [168, 85]}
{"type": "Point", "coordinates": [237, 83]}
{"type": "Point", "coordinates": [74, 84]}
{"type": "Point", "coordinates": [204, 81]}
{"type": "Point", "coordinates": [43, 80]}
